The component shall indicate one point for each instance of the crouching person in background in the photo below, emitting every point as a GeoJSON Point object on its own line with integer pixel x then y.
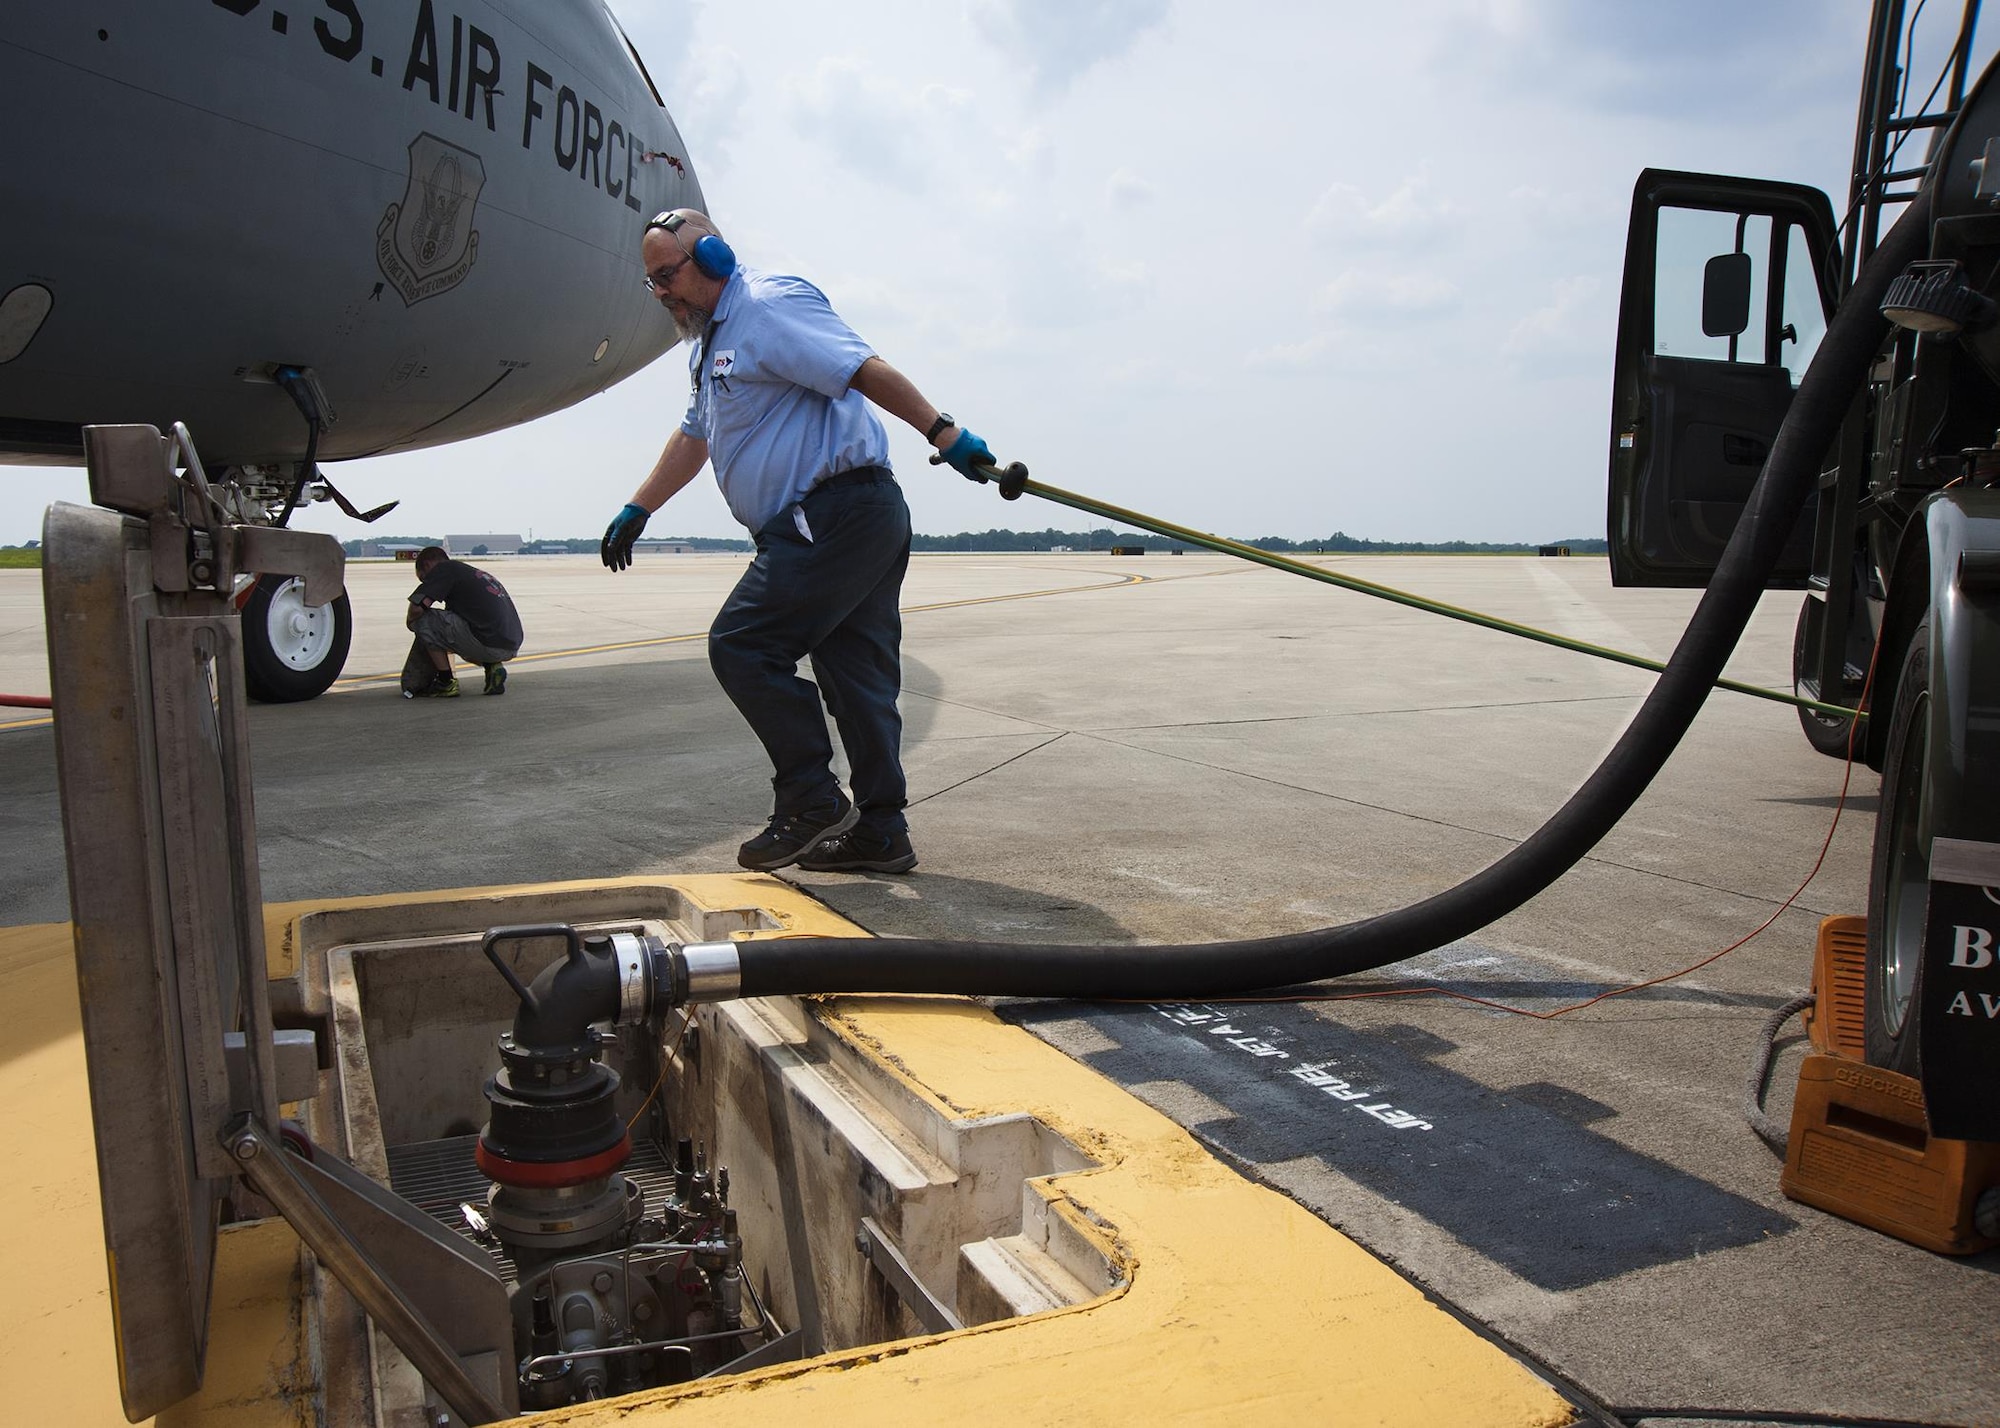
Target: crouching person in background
{"type": "Point", "coordinates": [457, 609]}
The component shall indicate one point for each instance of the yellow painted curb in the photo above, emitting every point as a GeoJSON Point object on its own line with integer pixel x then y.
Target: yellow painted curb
{"type": "Point", "coordinates": [55, 1254]}
{"type": "Point", "coordinates": [1238, 1305]}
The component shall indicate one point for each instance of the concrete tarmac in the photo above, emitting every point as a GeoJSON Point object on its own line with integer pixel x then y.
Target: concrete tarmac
{"type": "Point", "coordinates": [1175, 749]}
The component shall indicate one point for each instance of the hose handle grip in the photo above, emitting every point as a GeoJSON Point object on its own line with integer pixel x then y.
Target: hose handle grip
{"type": "Point", "coordinates": [1011, 479]}
{"type": "Point", "coordinates": [526, 932]}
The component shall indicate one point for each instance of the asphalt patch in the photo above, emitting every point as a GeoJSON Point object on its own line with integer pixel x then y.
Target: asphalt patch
{"type": "Point", "coordinates": [1517, 1175]}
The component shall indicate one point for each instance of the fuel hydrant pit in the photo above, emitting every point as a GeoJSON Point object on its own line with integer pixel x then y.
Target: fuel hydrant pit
{"type": "Point", "coordinates": [787, 1193]}
{"type": "Point", "coordinates": [440, 1177]}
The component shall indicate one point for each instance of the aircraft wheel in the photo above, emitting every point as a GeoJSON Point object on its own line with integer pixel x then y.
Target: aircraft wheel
{"type": "Point", "coordinates": [1899, 876]}
{"type": "Point", "coordinates": [1827, 734]}
{"type": "Point", "coordinates": [292, 651]}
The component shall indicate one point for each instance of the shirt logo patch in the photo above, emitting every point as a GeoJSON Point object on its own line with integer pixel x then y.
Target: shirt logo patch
{"type": "Point", "coordinates": [723, 365]}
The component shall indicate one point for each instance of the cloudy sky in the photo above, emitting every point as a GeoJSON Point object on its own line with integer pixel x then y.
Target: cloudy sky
{"type": "Point", "coordinates": [1260, 268]}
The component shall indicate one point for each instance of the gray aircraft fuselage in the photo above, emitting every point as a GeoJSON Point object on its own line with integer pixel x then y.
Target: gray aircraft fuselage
{"type": "Point", "coordinates": [433, 205]}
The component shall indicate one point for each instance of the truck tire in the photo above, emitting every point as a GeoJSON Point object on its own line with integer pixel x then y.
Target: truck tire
{"type": "Point", "coordinates": [1899, 874]}
{"type": "Point", "coordinates": [292, 651]}
{"type": "Point", "coordinates": [1827, 734]}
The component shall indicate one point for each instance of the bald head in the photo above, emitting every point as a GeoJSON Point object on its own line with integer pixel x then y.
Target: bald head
{"type": "Point", "coordinates": [690, 221]}
{"type": "Point", "coordinates": [677, 280]}
{"type": "Point", "coordinates": [682, 229]}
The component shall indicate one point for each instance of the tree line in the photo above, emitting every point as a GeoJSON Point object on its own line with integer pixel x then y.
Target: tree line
{"type": "Point", "coordinates": [1103, 538]}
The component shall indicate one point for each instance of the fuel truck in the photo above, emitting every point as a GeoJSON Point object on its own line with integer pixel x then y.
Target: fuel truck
{"type": "Point", "coordinates": [1732, 288]}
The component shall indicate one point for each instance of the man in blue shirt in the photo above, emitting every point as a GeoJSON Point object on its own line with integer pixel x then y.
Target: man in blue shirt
{"type": "Point", "coordinates": [778, 399]}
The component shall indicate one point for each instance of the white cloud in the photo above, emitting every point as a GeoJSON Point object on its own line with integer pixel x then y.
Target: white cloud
{"type": "Point", "coordinates": [1373, 322]}
{"type": "Point", "coordinates": [710, 104]}
{"type": "Point", "coordinates": [1409, 216]}
{"type": "Point", "coordinates": [1081, 287]}
{"type": "Point", "coordinates": [1555, 211]}
{"type": "Point", "coordinates": [1571, 324]}
{"type": "Point", "coordinates": [1057, 40]}
{"type": "Point", "coordinates": [875, 125]}
{"type": "Point", "coordinates": [1125, 191]}
{"type": "Point", "coordinates": [1306, 353]}
{"type": "Point", "coordinates": [1696, 61]}
{"type": "Point", "coordinates": [1030, 147]}
{"type": "Point", "coordinates": [1386, 292]}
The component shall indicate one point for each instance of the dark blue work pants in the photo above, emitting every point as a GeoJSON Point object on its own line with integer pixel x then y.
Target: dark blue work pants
{"type": "Point", "coordinates": [834, 598]}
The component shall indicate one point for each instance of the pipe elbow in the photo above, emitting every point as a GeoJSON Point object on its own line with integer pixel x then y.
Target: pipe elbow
{"type": "Point", "coordinates": [566, 998]}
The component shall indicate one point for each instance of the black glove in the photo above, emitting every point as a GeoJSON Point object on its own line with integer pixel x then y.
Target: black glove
{"type": "Point", "coordinates": [616, 548]}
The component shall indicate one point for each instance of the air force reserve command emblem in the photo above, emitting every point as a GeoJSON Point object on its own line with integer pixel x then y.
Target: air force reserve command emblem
{"type": "Point", "coordinates": [425, 245]}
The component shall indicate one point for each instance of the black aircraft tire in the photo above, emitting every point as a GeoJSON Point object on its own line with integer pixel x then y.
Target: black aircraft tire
{"type": "Point", "coordinates": [292, 651]}
{"type": "Point", "coordinates": [1829, 735]}
{"type": "Point", "coordinates": [1899, 873]}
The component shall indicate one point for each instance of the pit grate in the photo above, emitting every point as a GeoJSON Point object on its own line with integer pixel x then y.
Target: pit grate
{"type": "Point", "coordinates": [437, 1176]}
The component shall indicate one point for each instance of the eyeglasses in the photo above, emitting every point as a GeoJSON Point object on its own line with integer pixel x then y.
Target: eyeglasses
{"type": "Point", "coordinates": [656, 283]}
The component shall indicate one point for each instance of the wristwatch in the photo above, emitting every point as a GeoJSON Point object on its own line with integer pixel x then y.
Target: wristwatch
{"type": "Point", "coordinates": [944, 420]}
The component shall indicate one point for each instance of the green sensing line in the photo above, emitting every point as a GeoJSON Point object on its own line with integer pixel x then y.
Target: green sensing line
{"type": "Point", "coordinates": [1014, 480]}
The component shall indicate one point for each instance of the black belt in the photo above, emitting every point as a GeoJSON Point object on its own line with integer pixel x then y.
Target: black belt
{"type": "Point", "coordinates": [855, 476]}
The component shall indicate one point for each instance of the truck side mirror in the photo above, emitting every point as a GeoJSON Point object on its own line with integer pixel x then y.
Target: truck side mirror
{"type": "Point", "coordinates": [1725, 295]}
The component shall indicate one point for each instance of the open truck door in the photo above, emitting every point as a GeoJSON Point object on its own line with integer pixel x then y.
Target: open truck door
{"type": "Point", "coordinates": [1728, 289]}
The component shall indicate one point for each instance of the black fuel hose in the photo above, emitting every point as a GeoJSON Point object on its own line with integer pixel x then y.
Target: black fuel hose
{"type": "Point", "coordinates": [1216, 969]}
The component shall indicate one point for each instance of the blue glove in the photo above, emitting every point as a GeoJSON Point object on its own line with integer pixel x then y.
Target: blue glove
{"type": "Point", "coordinates": [616, 548]}
{"type": "Point", "coordinates": [966, 455]}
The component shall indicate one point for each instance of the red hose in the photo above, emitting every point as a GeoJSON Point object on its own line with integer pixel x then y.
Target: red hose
{"type": "Point", "coordinates": [25, 701]}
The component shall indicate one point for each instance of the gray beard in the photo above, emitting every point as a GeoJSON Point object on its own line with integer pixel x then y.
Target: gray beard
{"type": "Point", "coordinates": [692, 326]}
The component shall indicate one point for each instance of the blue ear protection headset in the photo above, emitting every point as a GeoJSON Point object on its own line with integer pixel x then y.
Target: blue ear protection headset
{"type": "Point", "coordinates": [712, 256]}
